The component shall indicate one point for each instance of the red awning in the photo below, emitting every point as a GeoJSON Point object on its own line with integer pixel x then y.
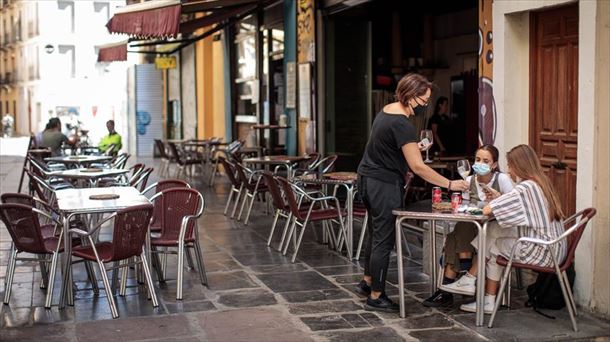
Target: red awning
{"type": "Point", "coordinates": [154, 19]}
{"type": "Point", "coordinates": [112, 52]}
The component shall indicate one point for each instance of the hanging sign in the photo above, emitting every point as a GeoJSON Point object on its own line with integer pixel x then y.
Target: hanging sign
{"type": "Point", "coordinates": [165, 62]}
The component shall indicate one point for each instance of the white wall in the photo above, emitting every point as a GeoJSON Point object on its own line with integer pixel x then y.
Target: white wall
{"type": "Point", "coordinates": [189, 96]}
{"type": "Point", "coordinates": [511, 91]}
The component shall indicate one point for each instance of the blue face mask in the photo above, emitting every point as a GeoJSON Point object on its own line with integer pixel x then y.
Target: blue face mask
{"type": "Point", "coordinates": [481, 169]}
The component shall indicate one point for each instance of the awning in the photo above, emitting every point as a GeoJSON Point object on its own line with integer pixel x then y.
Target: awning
{"type": "Point", "coordinates": [112, 52]}
{"type": "Point", "coordinates": [153, 19]}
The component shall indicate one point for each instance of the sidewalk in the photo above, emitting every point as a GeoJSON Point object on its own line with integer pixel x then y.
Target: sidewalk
{"type": "Point", "coordinates": [256, 294]}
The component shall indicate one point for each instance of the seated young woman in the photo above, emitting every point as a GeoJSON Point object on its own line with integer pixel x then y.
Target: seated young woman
{"type": "Point", "coordinates": [458, 250]}
{"type": "Point", "coordinates": [533, 206]}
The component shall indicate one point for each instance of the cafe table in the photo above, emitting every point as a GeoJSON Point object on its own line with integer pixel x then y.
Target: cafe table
{"type": "Point", "coordinates": [78, 161]}
{"type": "Point", "coordinates": [91, 175]}
{"type": "Point", "coordinates": [422, 211]}
{"type": "Point", "coordinates": [348, 180]}
{"type": "Point", "coordinates": [73, 202]}
{"type": "Point", "coordinates": [285, 161]}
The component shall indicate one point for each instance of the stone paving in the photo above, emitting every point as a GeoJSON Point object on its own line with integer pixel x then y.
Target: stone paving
{"type": "Point", "coordinates": [256, 294]}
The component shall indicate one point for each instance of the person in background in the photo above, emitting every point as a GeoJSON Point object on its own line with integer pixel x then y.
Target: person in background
{"type": "Point", "coordinates": [458, 250]}
{"type": "Point", "coordinates": [392, 150]}
{"type": "Point", "coordinates": [53, 138]}
{"type": "Point", "coordinates": [534, 206]}
{"type": "Point", "coordinates": [7, 125]}
{"type": "Point", "coordinates": [440, 123]}
{"type": "Point", "coordinates": [113, 138]}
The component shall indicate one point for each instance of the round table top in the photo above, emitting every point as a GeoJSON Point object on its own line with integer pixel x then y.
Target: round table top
{"type": "Point", "coordinates": [276, 159]}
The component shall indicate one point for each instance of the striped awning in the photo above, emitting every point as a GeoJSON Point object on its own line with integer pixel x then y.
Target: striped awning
{"type": "Point", "coordinates": [112, 52]}
{"type": "Point", "coordinates": [153, 19]}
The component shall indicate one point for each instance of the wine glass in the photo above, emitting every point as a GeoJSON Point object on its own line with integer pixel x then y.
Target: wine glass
{"type": "Point", "coordinates": [463, 168]}
{"type": "Point", "coordinates": [426, 134]}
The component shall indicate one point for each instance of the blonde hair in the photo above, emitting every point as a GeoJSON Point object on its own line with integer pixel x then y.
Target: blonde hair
{"type": "Point", "coordinates": [524, 163]}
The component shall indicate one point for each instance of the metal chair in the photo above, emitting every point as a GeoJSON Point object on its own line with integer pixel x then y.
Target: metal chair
{"type": "Point", "coordinates": [228, 153]}
{"type": "Point", "coordinates": [572, 234]}
{"type": "Point", "coordinates": [165, 158]}
{"type": "Point", "coordinates": [23, 224]}
{"type": "Point", "coordinates": [181, 208]}
{"type": "Point", "coordinates": [128, 238]}
{"type": "Point", "coordinates": [301, 218]}
{"type": "Point", "coordinates": [183, 161]}
{"type": "Point", "coordinates": [251, 187]}
{"type": "Point", "coordinates": [236, 185]}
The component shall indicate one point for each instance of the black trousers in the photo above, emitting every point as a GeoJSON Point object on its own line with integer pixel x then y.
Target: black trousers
{"type": "Point", "coordinates": [379, 198]}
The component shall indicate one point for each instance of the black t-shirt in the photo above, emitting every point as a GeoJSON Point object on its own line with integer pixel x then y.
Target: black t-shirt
{"type": "Point", "coordinates": [383, 158]}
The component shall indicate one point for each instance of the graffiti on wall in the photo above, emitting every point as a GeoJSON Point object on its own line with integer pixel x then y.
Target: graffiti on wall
{"type": "Point", "coordinates": [306, 29]}
{"type": "Point", "coordinates": [487, 105]}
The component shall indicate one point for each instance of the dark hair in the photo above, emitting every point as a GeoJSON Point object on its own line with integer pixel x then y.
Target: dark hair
{"type": "Point", "coordinates": [53, 123]}
{"type": "Point", "coordinates": [495, 154]}
{"type": "Point", "coordinates": [440, 101]}
{"type": "Point", "coordinates": [110, 121]}
{"type": "Point", "coordinates": [410, 86]}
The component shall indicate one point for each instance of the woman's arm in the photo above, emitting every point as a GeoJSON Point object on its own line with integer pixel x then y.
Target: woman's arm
{"type": "Point", "coordinates": [487, 210]}
{"type": "Point", "coordinates": [413, 156]}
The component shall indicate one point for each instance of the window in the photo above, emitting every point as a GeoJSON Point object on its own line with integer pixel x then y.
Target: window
{"type": "Point", "coordinates": [245, 58]}
{"type": "Point", "coordinates": [67, 60]}
{"type": "Point", "coordinates": [66, 15]}
{"type": "Point", "coordinates": [102, 11]}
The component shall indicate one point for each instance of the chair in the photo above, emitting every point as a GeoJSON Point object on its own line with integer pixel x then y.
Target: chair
{"type": "Point", "coordinates": [281, 208]}
{"type": "Point", "coordinates": [165, 158]}
{"type": "Point", "coordinates": [572, 234]}
{"type": "Point", "coordinates": [128, 237]}
{"type": "Point", "coordinates": [183, 161]}
{"type": "Point", "coordinates": [236, 185]}
{"type": "Point", "coordinates": [23, 224]}
{"type": "Point", "coordinates": [251, 185]}
{"type": "Point", "coordinates": [229, 153]}
{"type": "Point", "coordinates": [180, 209]}
{"type": "Point", "coordinates": [301, 218]}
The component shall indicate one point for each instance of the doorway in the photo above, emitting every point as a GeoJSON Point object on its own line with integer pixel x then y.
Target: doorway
{"type": "Point", "coordinates": [553, 119]}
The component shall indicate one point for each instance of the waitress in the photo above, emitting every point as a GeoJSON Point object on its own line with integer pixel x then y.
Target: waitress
{"type": "Point", "coordinates": [391, 151]}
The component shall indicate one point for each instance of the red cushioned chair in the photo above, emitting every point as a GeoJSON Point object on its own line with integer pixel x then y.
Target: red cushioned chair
{"type": "Point", "coordinates": [181, 208]}
{"type": "Point", "coordinates": [574, 227]}
{"type": "Point", "coordinates": [128, 238]}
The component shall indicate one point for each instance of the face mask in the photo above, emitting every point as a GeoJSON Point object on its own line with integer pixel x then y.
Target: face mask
{"type": "Point", "coordinates": [481, 169]}
{"type": "Point", "coordinates": [419, 110]}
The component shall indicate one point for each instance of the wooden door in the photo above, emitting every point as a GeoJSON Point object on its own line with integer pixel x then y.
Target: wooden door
{"type": "Point", "coordinates": [554, 97]}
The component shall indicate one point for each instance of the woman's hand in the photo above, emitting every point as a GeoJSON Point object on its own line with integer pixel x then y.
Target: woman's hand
{"type": "Point", "coordinates": [491, 194]}
{"type": "Point", "coordinates": [487, 210]}
{"type": "Point", "coordinates": [459, 185]}
{"type": "Point", "coordinates": [423, 146]}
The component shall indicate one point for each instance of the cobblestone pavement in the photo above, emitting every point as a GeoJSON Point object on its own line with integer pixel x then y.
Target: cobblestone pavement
{"type": "Point", "coordinates": [256, 294]}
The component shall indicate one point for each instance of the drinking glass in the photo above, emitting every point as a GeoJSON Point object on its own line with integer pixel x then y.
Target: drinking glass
{"type": "Point", "coordinates": [463, 168]}
{"type": "Point", "coordinates": [427, 134]}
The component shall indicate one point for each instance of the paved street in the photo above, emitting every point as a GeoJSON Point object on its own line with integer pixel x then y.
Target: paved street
{"type": "Point", "coordinates": [256, 294]}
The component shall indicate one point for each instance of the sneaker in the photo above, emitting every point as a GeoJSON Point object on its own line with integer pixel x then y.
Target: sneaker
{"type": "Point", "coordinates": [438, 299]}
{"type": "Point", "coordinates": [490, 301]}
{"type": "Point", "coordinates": [363, 288]}
{"type": "Point", "coordinates": [383, 303]}
{"type": "Point", "coordinates": [466, 285]}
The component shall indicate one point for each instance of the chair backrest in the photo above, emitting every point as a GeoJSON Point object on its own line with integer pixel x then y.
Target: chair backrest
{"type": "Point", "coordinates": [39, 167]}
{"type": "Point", "coordinates": [314, 157]}
{"type": "Point", "coordinates": [326, 164]}
{"type": "Point", "coordinates": [17, 198]}
{"type": "Point", "coordinates": [22, 224]}
{"type": "Point", "coordinates": [120, 161]}
{"type": "Point", "coordinates": [574, 232]}
{"type": "Point", "coordinates": [143, 178]}
{"type": "Point", "coordinates": [241, 174]}
{"type": "Point", "coordinates": [176, 203]}
{"type": "Point", "coordinates": [175, 152]}
{"type": "Point", "coordinates": [161, 148]}
{"type": "Point", "coordinates": [289, 196]}
{"type": "Point", "coordinates": [230, 171]}
{"type": "Point", "coordinates": [42, 189]}
{"type": "Point", "coordinates": [136, 171]}
{"type": "Point", "coordinates": [159, 187]}
{"type": "Point", "coordinates": [130, 229]}
{"type": "Point", "coordinates": [111, 150]}
{"type": "Point", "coordinates": [274, 190]}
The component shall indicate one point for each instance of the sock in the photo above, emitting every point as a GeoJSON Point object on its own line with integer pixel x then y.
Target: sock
{"type": "Point", "coordinates": [447, 280]}
{"type": "Point", "coordinates": [465, 264]}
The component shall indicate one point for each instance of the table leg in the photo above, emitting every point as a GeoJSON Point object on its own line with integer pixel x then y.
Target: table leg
{"type": "Point", "coordinates": [480, 294]}
{"type": "Point", "coordinates": [66, 284]}
{"type": "Point", "coordinates": [401, 280]}
{"type": "Point", "coordinates": [433, 261]}
{"type": "Point", "coordinates": [350, 221]}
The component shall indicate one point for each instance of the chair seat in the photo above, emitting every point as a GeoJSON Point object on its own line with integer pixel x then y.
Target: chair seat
{"type": "Point", "coordinates": [104, 250]}
{"type": "Point", "coordinates": [157, 241]}
{"type": "Point", "coordinates": [261, 187]}
{"type": "Point", "coordinates": [47, 230]}
{"type": "Point", "coordinates": [500, 260]}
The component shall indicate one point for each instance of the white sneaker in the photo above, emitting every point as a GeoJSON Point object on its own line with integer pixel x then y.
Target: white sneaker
{"type": "Point", "coordinates": [488, 308]}
{"type": "Point", "coordinates": [466, 285]}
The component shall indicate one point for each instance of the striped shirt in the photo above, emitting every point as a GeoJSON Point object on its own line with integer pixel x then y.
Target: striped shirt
{"type": "Point", "coordinates": [527, 207]}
